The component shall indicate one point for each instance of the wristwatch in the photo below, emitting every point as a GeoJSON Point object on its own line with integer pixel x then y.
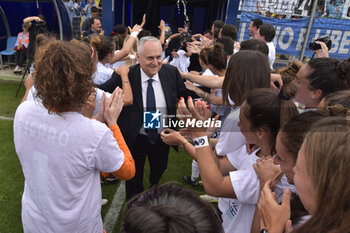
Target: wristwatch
{"type": "Point", "coordinates": [264, 231]}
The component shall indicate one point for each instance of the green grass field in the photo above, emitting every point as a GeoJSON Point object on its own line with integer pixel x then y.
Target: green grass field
{"type": "Point", "coordinates": [12, 180]}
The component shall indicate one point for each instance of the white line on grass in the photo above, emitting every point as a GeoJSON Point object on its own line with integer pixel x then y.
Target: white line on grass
{"type": "Point", "coordinates": [114, 210]}
{"type": "Point", "coordinates": [6, 118]}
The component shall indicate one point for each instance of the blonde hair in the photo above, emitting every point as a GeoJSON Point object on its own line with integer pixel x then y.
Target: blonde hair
{"type": "Point", "coordinates": [133, 51]}
{"type": "Point", "coordinates": [327, 156]}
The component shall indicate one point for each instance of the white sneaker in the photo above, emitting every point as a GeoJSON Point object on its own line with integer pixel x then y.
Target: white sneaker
{"type": "Point", "coordinates": [104, 202]}
{"type": "Point", "coordinates": [16, 69]}
{"type": "Point", "coordinates": [209, 198]}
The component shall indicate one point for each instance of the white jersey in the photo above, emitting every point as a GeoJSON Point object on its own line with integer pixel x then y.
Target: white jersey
{"type": "Point", "coordinates": [99, 94]}
{"type": "Point", "coordinates": [238, 213]}
{"type": "Point", "coordinates": [61, 157]}
{"type": "Point", "coordinates": [237, 216]}
{"type": "Point", "coordinates": [230, 138]}
{"type": "Point", "coordinates": [102, 74]}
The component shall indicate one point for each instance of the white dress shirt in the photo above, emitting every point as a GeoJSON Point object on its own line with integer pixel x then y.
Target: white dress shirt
{"type": "Point", "coordinates": [272, 53]}
{"type": "Point", "coordinates": [158, 94]}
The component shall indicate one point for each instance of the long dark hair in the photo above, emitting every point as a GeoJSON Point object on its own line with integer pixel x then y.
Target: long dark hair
{"type": "Point", "coordinates": [267, 108]}
{"type": "Point", "coordinates": [169, 208]}
{"type": "Point", "coordinates": [246, 70]}
{"type": "Point", "coordinates": [329, 75]}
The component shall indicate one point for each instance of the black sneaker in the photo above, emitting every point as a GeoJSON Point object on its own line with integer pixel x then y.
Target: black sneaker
{"type": "Point", "coordinates": [189, 181]}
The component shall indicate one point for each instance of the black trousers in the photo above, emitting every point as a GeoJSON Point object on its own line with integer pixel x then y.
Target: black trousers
{"type": "Point", "coordinates": [158, 160]}
{"type": "Point", "coordinates": [20, 56]}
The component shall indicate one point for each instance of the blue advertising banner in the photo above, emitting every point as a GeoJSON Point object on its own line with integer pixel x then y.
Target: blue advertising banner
{"type": "Point", "coordinates": [290, 34]}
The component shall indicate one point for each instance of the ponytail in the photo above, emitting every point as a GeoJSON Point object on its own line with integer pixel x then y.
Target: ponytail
{"type": "Point", "coordinates": [267, 108]}
{"type": "Point", "coordinates": [288, 108]}
{"type": "Point", "coordinates": [103, 44]}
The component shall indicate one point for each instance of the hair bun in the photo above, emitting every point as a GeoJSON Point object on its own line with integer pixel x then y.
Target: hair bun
{"type": "Point", "coordinates": [343, 68]}
{"type": "Point", "coordinates": [287, 92]}
{"type": "Point", "coordinates": [96, 40]}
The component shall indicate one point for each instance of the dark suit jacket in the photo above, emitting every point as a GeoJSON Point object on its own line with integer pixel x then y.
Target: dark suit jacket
{"type": "Point", "coordinates": [130, 120]}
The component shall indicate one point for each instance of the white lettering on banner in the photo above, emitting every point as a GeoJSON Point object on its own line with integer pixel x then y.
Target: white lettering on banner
{"type": "Point", "coordinates": [301, 39]}
{"type": "Point", "coordinates": [45, 133]}
{"type": "Point", "coordinates": [279, 6]}
{"type": "Point", "coordinates": [290, 36]}
{"type": "Point", "coordinates": [288, 30]}
{"type": "Point", "coordinates": [278, 29]}
{"type": "Point", "coordinates": [345, 42]}
{"type": "Point", "coordinates": [346, 10]}
{"type": "Point", "coordinates": [340, 40]}
{"type": "Point", "coordinates": [318, 31]}
{"type": "Point", "coordinates": [335, 37]}
{"type": "Point", "coordinates": [304, 8]}
{"type": "Point", "coordinates": [243, 28]}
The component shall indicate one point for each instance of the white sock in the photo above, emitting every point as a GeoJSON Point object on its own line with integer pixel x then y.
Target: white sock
{"type": "Point", "coordinates": [195, 171]}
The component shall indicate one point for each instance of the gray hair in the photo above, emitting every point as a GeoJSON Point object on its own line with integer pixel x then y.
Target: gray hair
{"type": "Point", "coordinates": [143, 40]}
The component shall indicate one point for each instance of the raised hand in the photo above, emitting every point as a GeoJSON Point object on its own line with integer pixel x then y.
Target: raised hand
{"type": "Point", "coordinates": [274, 215]}
{"type": "Point", "coordinates": [143, 21]}
{"type": "Point", "coordinates": [135, 28]}
{"type": "Point", "coordinates": [162, 25]}
{"type": "Point", "coordinates": [172, 137]}
{"type": "Point", "coordinates": [323, 52]}
{"type": "Point", "coordinates": [194, 112]}
{"type": "Point", "coordinates": [266, 170]}
{"type": "Point", "coordinates": [193, 48]}
{"type": "Point", "coordinates": [113, 106]}
{"type": "Point", "coordinates": [190, 86]}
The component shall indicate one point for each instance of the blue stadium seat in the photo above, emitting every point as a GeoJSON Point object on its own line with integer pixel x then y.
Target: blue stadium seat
{"type": "Point", "coordinates": [11, 41]}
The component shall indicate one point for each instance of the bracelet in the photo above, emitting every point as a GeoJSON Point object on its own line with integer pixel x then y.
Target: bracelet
{"type": "Point", "coordinates": [125, 82]}
{"type": "Point", "coordinates": [184, 143]}
{"type": "Point", "coordinates": [201, 142]}
{"type": "Point", "coordinates": [134, 34]}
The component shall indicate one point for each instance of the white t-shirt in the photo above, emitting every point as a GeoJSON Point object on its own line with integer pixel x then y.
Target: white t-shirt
{"type": "Point", "coordinates": [237, 216]}
{"type": "Point", "coordinates": [61, 158]}
{"type": "Point", "coordinates": [272, 53]}
{"type": "Point", "coordinates": [99, 94]}
{"type": "Point", "coordinates": [238, 213]}
{"type": "Point", "coordinates": [182, 62]}
{"type": "Point", "coordinates": [230, 138]}
{"type": "Point", "coordinates": [102, 74]}
{"type": "Point", "coordinates": [116, 64]}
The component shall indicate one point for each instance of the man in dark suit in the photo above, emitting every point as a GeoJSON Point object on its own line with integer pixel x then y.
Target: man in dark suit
{"type": "Point", "coordinates": [155, 87]}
